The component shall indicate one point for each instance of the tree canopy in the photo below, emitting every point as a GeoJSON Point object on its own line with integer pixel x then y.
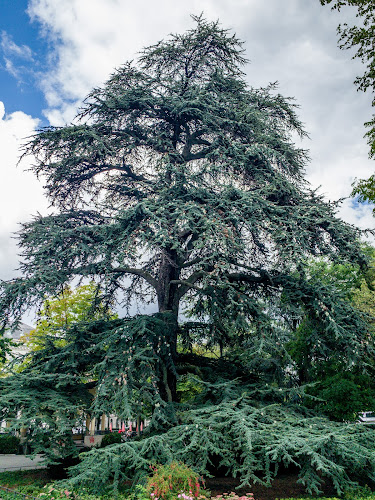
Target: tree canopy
{"type": "Point", "coordinates": [179, 184]}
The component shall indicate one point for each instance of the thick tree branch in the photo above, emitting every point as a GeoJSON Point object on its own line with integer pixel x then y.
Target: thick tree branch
{"type": "Point", "coordinates": [95, 269]}
{"type": "Point", "coordinates": [137, 272]}
{"type": "Point", "coordinates": [264, 278]}
{"type": "Point", "coordinates": [120, 168]}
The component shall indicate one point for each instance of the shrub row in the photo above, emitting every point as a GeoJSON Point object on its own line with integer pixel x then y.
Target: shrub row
{"type": "Point", "coordinates": [9, 444]}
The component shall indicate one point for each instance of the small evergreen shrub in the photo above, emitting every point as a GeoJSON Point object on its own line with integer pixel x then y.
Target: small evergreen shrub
{"type": "Point", "coordinates": [112, 438]}
{"type": "Point", "coordinates": [175, 480]}
{"type": "Point", "coordinates": [9, 444]}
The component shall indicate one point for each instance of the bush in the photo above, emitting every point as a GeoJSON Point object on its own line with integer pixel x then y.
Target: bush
{"type": "Point", "coordinates": [172, 481]}
{"type": "Point", "coordinates": [112, 438]}
{"type": "Point", "coordinates": [343, 395]}
{"type": "Point", "coordinates": [9, 444]}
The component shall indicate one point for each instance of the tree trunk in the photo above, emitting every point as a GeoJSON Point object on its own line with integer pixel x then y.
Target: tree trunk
{"type": "Point", "coordinates": [168, 303]}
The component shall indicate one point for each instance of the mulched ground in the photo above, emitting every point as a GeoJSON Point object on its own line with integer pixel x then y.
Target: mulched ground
{"type": "Point", "coordinates": [285, 486]}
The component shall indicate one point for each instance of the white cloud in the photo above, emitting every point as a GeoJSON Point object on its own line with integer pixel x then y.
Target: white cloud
{"type": "Point", "coordinates": [9, 47]}
{"type": "Point", "coordinates": [361, 217]}
{"type": "Point", "coordinates": [12, 69]}
{"type": "Point", "coordinates": [92, 37]}
{"type": "Point", "coordinates": [285, 41]}
{"type": "Point", "coordinates": [15, 56]}
{"type": "Point", "coordinates": [20, 192]}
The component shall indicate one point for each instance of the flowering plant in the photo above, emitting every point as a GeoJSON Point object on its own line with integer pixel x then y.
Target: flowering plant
{"type": "Point", "coordinates": [175, 480]}
{"type": "Point", "coordinates": [233, 496]}
{"type": "Point", "coordinates": [184, 496]}
{"type": "Point", "coordinates": [52, 492]}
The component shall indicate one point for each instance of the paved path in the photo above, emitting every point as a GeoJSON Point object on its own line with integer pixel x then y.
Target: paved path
{"type": "Point", "coordinates": [19, 462]}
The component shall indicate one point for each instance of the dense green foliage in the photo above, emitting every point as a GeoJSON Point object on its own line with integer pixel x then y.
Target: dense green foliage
{"type": "Point", "coordinates": [9, 444]}
{"type": "Point", "coordinates": [339, 392]}
{"type": "Point", "coordinates": [178, 184]}
{"type": "Point", "coordinates": [5, 347]}
{"type": "Point", "coordinates": [112, 438]}
{"type": "Point", "coordinates": [246, 437]}
{"type": "Point", "coordinates": [343, 396]}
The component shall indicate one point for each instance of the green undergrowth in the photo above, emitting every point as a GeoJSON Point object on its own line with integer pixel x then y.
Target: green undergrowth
{"type": "Point", "coordinates": [345, 497]}
{"type": "Point", "coordinates": [38, 478]}
{"type": "Point", "coordinates": [359, 493]}
{"type": "Point", "coordinates": [37, 484]}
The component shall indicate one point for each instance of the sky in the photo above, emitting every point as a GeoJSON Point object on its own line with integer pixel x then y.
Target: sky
{"type": "Point", "coordinates": [53, 52]}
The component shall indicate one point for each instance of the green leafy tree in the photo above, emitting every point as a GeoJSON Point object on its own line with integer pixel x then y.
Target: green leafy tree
{"type": "Point", "coordinates": [70, 306]}
{"type": "Point", "coordinates": [361, 38]}
{"type": "Point", "coordinates": [178, 184]}
{"type": "Point", "coordinates": [342, 391]}
{"type": "Point", "coordinates": [343, 395]}
{"type": "Point", "coordinates": [364, 294]}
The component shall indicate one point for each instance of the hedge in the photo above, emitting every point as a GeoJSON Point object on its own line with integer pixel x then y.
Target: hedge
{"type": "Point", "coordinates": [9, 444]}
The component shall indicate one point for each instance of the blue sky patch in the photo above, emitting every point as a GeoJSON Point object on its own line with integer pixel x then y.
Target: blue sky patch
{"type": "Point", "coordinates": [23, 58]}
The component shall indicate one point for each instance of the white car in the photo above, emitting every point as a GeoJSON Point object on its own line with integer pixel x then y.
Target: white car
{"type": "Point", "coordinates": [367, 417]}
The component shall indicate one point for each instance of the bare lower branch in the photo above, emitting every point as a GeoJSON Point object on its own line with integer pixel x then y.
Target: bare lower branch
{"type": "Point", "coordinates": [95, 269]}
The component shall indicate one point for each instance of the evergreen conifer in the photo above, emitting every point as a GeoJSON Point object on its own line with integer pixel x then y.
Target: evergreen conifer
{"type": "Point", "coordinates": [179, 184]}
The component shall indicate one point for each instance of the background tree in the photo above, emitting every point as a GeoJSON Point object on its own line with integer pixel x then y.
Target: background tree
{"type": "Point", "coordinates": [72, 305]}
{"type": "Point", "coordinates": [179, 184]}
{"type": "Point", "coordinates": [5, 348]}
{"type": "Point", "coordinates": [342, 391]}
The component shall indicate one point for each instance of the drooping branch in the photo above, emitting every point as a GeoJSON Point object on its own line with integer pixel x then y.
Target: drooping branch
{"type": "Point", "coordinates": [137, 272]}
{"type": "Point", "coordinates": [102, 270]}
